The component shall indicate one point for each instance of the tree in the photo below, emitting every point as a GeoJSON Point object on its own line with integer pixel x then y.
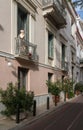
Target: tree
{"type": "Point", "coordinates": [78, 3]}
{"type": "Point", "coordinates": [54, 89]}
{"type": "Point", "coordinates": [13, 96]}
{"type": "Point", "coordinates": [67, 87]}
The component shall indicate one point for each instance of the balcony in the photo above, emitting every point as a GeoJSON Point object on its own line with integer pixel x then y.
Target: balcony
{"type": "Point", "coordinates": [64, 66]}
{"type": "Point", "coordinates": [25, 50]}
{"type": "Point", "coordinates": [54, 11]}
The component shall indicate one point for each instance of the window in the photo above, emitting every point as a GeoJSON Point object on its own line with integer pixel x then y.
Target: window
{"type": "Point", "coordinates": [63, 52]}
{"type": "Point", "coordinates": [50, 45]}
{"type": "Point", "coordinates": [22, 74]}
{"type": "Point", "coordinates": [50, 75]}
{"type": "Point", "coordinates": [22, 21]}
{"type": "Point", "coordinates": [72, 56]}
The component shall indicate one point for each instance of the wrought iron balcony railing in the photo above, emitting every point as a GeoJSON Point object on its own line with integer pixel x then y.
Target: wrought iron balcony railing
{"type": "Point", "coordinates": [25, 49]}
{"type": "Point", "coordinates": [64, 65]}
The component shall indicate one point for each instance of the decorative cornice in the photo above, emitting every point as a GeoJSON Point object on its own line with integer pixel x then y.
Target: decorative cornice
{"type": "Point", "coordinates": [50, 67]}
{"type": "Point", "coordinates": [31, 3]}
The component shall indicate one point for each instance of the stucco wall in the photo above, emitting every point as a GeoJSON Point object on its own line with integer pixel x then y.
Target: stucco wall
{"type": "Point", "coordinates": [40, 35]}
{"type": "Point", "coordinates": [5, 23]}
{"type": "Point", "coordinates": [7, 74]}
{"type": "Point", "coordinates": [39, 77]}
{"type": "Point", "coordinates": [36, 76]}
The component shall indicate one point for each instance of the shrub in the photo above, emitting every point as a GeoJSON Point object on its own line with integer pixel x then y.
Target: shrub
{"type": "Point", "coordinates": [79, 87]}
{"type": "Point", "coordinates": [70, 94]}
{"type": "Point", "coordinates": [12, 96]}
{"type": "Point", "coordinates": [67, 84]}
{"type": "Point", "coordinates": [53, 88]}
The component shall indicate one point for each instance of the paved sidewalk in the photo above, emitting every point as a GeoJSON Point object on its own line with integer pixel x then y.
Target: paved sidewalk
{"type": "Point", "coordinates": [8, 124]}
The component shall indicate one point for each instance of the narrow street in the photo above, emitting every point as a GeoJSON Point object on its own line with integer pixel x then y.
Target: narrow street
{"type": "Point", "coordinates": [67, 117]}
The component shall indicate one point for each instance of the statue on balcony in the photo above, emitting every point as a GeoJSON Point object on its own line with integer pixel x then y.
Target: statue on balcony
{"type": "Point", "coordinates": [22, 34]}
{"type": "Point", "coordinates": [22, 46]}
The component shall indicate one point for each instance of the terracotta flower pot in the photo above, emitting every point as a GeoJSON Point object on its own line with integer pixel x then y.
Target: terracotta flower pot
{"type": "Point", "coordinates": [67, 95]}
{"type": "Point", "coordinates": [56, 99]}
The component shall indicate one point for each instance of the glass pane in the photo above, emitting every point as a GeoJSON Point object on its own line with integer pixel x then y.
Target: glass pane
{"type": "Point", "coordinates": [22, 21]}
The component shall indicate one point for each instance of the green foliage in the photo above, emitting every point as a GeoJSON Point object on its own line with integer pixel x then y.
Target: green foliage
{"type": "Point", "coordinates": [79, 87]}
{"type": "Point", "coordinates": [53, 87]}
{"type": "Point", "coordinates": [70, 94]}
{"type": "Point", "coordinates": [67, 84]}
{"type": "Point", "coordinates": [13, 96]}
{"type": "Point", "coordinates": [78, 3]}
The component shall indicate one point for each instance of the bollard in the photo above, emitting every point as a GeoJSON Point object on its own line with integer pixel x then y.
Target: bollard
{"type": "Point", "coordinates": [17, 114]}
{"type": "Point", "coordinates": [47, 102]}
{"type": "Point", "coordinates": [65, 96]}
{"type": "Point", "coordinates": [34, 108]}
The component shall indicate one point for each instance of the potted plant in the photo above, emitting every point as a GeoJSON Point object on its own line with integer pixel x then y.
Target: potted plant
{"type": "Point", "coordinates": [67, 87]}
{"type": "Point", "coordinates": [78, 88]}
{"type": "Point", "coordinates": [54, 90]}
{"type": "Point", "coordinates": [12, 96]}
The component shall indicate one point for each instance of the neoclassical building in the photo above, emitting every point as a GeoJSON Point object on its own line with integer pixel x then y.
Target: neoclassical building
{"type": "Point", "coordinates": [37, 43]}
{"type": "Point", "coordinates": [79, 38]}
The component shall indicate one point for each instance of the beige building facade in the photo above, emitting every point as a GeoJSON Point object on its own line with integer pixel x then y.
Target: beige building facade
{"type": "Point", "coordinates": [37, 43]}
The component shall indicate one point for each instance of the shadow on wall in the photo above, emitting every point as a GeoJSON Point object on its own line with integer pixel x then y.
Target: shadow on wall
{"type": "Point", "coordinates": [1, 28]}
{"type": "Point", "coordinates": [14, 72]}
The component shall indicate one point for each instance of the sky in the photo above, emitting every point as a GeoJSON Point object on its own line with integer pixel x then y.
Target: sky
{"type": "Point", "coordinates": [79, 11]}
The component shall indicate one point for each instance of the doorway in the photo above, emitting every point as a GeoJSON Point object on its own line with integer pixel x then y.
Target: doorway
{"type": "Point", "coordinates": [22, 75]}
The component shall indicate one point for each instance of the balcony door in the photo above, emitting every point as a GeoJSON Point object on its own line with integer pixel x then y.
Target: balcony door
{"type": "Point", "coordinates": [22, 77]}
{"type": "Point", "coordinates": [22, 21]}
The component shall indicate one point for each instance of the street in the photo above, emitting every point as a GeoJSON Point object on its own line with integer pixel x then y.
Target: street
{"type": "Point", "coordinates": [67, 117]}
